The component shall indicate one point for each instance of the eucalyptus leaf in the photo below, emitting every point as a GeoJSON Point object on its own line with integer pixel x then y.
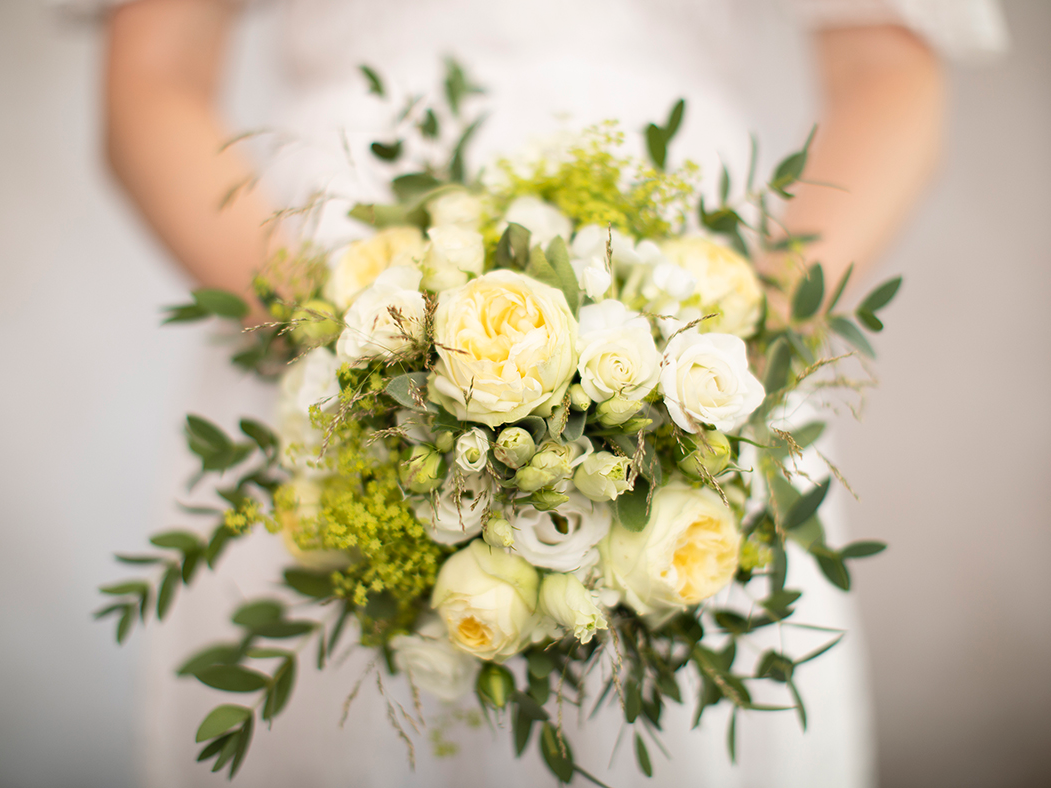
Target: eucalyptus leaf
{"type": "Point", "coordinates": [535, 426]}
{"type": "Point", "coordinates": [262, 435]}
{"type": "Point", "coordinates": [429, 125]}
{"type": "Point", "coordinates": [862, 549]}
{"type": "Point", "coordinates": [232, 678]}
{"type": "Point", "coordinates": [671, 128]}
{"type": "Point", "coordinates": [868, 320]}
{"type": "Point", "coordinates": [375, 83]}
{"type": "Point", "coordinates": [380, 216]}
{"type": "Point", "coordinates": [850, 332]}
{"type": "Point", "coordinates": [220, 654]}
{"type": "Point", "coordinates": [530, 707]}
{"type": "Point", "coordinates": [834, 569]}
{"type": "Point", "coordinates": [632, 508]}
{"type": "Point", "coordinates": [137, 587]}
{"type": "Point", "coordinates": [312, 584]}
{"type": "Point", "coordinates": [183, 541]}
{"type": "Point", "coordinates": [881, 296]}
{"type": "Point", "coordinates": [125, 623]}
{"type": "Point", "coordinates": [574, 428]}
{"type": "Point", "coordinates": [558, 257]}
{"type": "Point", "coordinates": [656, 145]}
{"type": "Point", "coordinates": [643, 756]}
{"type": "Point", "coordinates": [253, 614]}
{"type": "Point", "coordinates": [244, 738]}
{"type": "Point", "coordinates": [166, 593]}
{"type": "Point", "coordinates": [809, 293]}
{"type": "Point", "coordinates": [457, 166]}
{"type": "Point", "coordinates": [840, 288]}
{"type": "Point", "coordinates": [221, 719]}
{"type": "Point", "coordinates": [521, 727]}
{"type": "Point", "coordinates": [561, 765]}
{"type": "Point", "coordinates": [184, 313]}
{"type": "Point", "coordinates": [778, 365]}
{"type": "Point", "coordinates": [513, 249]}
{"type": "Point", "coordinates": [807, 506]}
{"type": "Point", "coordinates": [410, 391]}
{"type": "Point", "coordinates": [386, 151]}
{"type": "Point", "coordinates": [206, 438]}
{"type": "Point", "coordinates": [221, 303]}
{"type": "Point", "coordinates": [283, 629]}
{"type": "Point", "coordinates": [413, 185]}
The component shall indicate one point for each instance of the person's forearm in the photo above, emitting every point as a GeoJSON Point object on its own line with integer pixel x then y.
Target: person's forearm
{"type": "Point", "coordinates": [878, 142]}
{"type": "Point", "coordinates": [165, 142]}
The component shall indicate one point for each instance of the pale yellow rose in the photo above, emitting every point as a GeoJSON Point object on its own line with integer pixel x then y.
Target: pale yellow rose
{"type": "Point", "coordinates": [304, 495]}
{"type": "Point", "coordinates": [507, 347]}
{"type": "Point", "coordinates": [686, 553]}
{"type": "Point", "coordinates": [726, 283]}
{"type": "Point", "coordinates": [488, 600]}
{"type": "Point", "coordinates": [363, 261]}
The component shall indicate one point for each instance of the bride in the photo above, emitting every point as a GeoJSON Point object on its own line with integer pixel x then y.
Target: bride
{"type": "Point", "coordinates": [550, 65]}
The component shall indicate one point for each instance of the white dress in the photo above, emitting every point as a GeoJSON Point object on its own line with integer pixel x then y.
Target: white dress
{"type": "Point", "coordinates": [549, 65]}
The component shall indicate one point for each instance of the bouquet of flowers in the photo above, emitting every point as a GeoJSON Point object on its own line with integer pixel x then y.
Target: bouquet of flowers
{"type": "Point", "coordinates": [529, 434]}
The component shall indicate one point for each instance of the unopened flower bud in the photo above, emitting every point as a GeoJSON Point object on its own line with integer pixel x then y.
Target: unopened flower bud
{"type": "Point", "coordinates": [547, 499]}
{"type": "Point", "coordinates": [565, 599]}
{"type": "Point", "coordinates": [514, 447]}
{"type": "Point", "coordinates": [424, 470]}
{"type": "Point", "coordinates": [578, 398]}
{"type": "Point", "coordinates": [495, 685]}
{"type": "Point", "coordinates": [709, 456]}
{"type": "Point", "coordinates": [602, 476]}
{"type": "Point", "coordinates": [633, 425]}
{"type": "Point", "coordinates": [443, 442]}
{"type": "Point", "coordinates": [498, 533]}
{"type": "Point", "coordinates": [549, 465]}
{"type": "Point", "coordinates": [617, 410]}
{"type": "Point", "coordinates": [311, 323]}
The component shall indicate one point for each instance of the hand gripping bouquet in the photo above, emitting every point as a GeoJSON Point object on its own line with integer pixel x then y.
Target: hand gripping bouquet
{"type": "Point", "coordinates": [530, 442]}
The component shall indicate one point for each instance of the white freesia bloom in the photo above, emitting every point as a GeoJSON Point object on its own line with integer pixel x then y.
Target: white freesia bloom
{"type": "Point", "coordinates": [686, 553]}
{"type": "Point", "coordinates": [310, 380]}
{"type": "Point", "coordinates": [543, 220]}
{"type": "Point", "coordinates": [602, 476]}
{"type": "Point", "coordinates": [565, 599]}
{"type": "Point", "coordinates": [363, 261]}
{"type": "Point", "coordinates": [386, 318]}
{"type": "Point", "coordinates": [472, 450]}
{"type": "Point", "coordinates": [507, 347]}
{"type": "Point", "coordinates": [488, 600]}
{"type": "Point", "coordinates": [306, 507]}
{"type": "Point", "coordinates": [617, 352]}
{"type": "Point", "coordinates": [457, 208]}
{"type": "Point", "coordinates": [433, 663]}
{"type": "Point", "coordinates": [452, 257]}
{"type": "Point", "coordinates": [726, 284]}
{"type": "Point", "coordinates": [705, 379]}
{"type": "Point", "coordinates": [564, 539]}
{"type": "Point", "coordinates": [454, 517]}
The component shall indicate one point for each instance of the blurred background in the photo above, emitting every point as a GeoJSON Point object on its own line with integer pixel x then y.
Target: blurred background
{"type": "Point", "coordinates": [952, 460]}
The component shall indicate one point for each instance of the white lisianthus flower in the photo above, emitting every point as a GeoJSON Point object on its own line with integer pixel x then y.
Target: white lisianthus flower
{"type": "Point", "coordinates": [363, 261]}
{"type": "Point", "coordinates": [602, 476]}
{"type": "Point", "coordinates": [457, 208]}
{"type": "Point", "coordinates": [685, 554]}
{"type": "Point", "coordinates": [452, 257]}
{"type": "Point", "coordinates": [726, 285]}
{"type": "Point", "coordinates": [454, 517]}
{"type": "Point", "coordinates": [705, 378]}
{"type": "Point", "coordinates": [543, 220]}
{"type": "Point", "coordinates": [472, 450]}
{"type": "Point", "coordinates": [306, 506]}
{"type": "Point", "coordinates": [386, 318]}
{"type": "Point", "coordinates": [565, 599]}
{"type": "Point", "coordinates": [488, 600]}
{"type": "Point", "coordinates": [617, 353]}
{"type": "Point", "coordinates": [310, 380]}
{"type": "Point", "coordinates": [507, 347]}
{"type": "Point", "coordinates": [564, 539]}
{"type": "Point", "coordinates": [433, 663]}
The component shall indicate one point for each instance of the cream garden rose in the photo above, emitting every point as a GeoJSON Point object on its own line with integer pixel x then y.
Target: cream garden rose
{"type": "Point", "coordinates": [705, 379]}
{"type": "Point", "coordinates": [364, 260]}
{"type": "Point", "coordinates": [617, 352]}
{"type": "Point", "coordinates": [488, 601]}
{"type": "Point", "coordinates": [452, 257]}
{"type": "Point", "coordinates": [685, 554]}
{"type": "Point", "coordinates": [372, 329]}
{"type": "Point", "coordinates": [456, 208]}
{"type": "Point", "coordinates": [726, 284]}
{"type": "Point", "coordinates": [507, 347]}
{"type": "Point", "coordinates": [433, 663]}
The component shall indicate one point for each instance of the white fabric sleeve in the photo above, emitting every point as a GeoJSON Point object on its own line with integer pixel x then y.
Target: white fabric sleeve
{"type": "Point", "coordinates": [959, 29]}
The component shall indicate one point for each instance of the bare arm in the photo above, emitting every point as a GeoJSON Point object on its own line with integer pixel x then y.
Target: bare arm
{"type": "Point", "coordinates": [164, 137]}
{"type": "Point", "coordinates": [879, 140]}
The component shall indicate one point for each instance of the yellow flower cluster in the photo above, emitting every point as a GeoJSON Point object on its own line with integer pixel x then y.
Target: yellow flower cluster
{"type": "Point", "coordinates": [595, 185]}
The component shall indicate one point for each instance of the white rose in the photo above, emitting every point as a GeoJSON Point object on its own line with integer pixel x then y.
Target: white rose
{"type": "Point", "coordinates": [453, 254]}
{"type": "Point", "coordinates": [543, 220]}
{"type": "Point", "coordinates": [685, 554]}
{"type": "Point", "coordinates": [457, 208]}
{"type": "Point", "coordinates": [306, 506]}
{"type": "Point", "coordinates": [602, 476]}
{"type": "Point", "coordinates": [433, 663]}
{"type": "Point", "coordinates": [617, 352]}
{"type": "Point", "coordinates": [363, 261]}
{"type": "Point", "coordinates": [593, 276]}
{"type": "Point", "coordinates": [507, 347]}
{"type": "Point", "coordinates": [705, 378]}
{"type": "Point", "coordinates": [590, 243]}
{"type": "Point", "coordinates": [472, 450]}
{"type": "Point", "coordinates": [488, 601]}
{"type": "Point", "coordinates": [564, 539]}
{"type": "Point", "coordinates": [372, 330]}
{"type": "Point", "coordinates": [454, 517]}
{"type": "Point", "coordinates": [726, 284]}
{"type": "Point", "coordinates": [565, 599]}
{"type": "Point", "coordinates": [311, 379]}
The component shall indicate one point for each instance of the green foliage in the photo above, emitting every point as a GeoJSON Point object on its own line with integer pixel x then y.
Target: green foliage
{"type": "Point", "coordinates": [809, 293]}
{"type": "Point", "coordinates": [375, 83]}
{"type": "Point", "coordinates": [790, 169]}
{"type": "Point", "coordinates": [632, 509]}
{"type": "Point", "coordinates": [642, 756]}
{"type": "Point", "coordinates": [658, 137]}
{"type": "Point", "coordinates": [458, 86]}
{"type": "Point", "coordinates": [386, 151]}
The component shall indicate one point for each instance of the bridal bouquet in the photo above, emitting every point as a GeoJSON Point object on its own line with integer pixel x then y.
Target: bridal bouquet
{"type": "Point", "coordinates": [530, 433]}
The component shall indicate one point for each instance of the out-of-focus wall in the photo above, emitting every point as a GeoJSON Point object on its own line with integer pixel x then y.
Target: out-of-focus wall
{"type": "Point", "coordinates": [952, 462]}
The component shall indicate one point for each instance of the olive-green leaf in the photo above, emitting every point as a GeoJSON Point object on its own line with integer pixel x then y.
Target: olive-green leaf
{"type": "Point", "coordinates": [850, 332]}
{"type": "Point", "coordinates": [410, 391]}
{"type": "Point", "coordinates": [166, 593]}
{"type": "Point", "coordinates": [131, 587]}
{"type": "Point", "coordinates": [413, 185]}
{"type": "Point", "coordinates": [840, 288]}
{"type": "Point", "coordinates": [807, 505]}
{"type": "Point", "coordinates": [656, 145]}
{"type": "Point", "coordinates": [561, 765]}
{"type": "Point", "coordinates": [375, 83]}
{"type": "Point", "coordinates": [205, 438]}
{"type": "Point", "coordinates": [386, 151]}
{"type": "Point", "coordinates": [632, 508]}
{"type": "Point", "coordinates": [312, 584]}
{"type": "Point", "coordinates": [183, 541]}
{"type": "Point", "coordinates": [221, 719]}
{"type": "Point", "coordinates": [558, 258]}
{"type": "Point", "coordinates": [862, 549]}
{"type": "Point", "coordinates": [513, 249]}
{"type": "Point", "coordinates": [220, 654]}
{"type": "Point", "coordinates": [809, 293]}
{"type": "Point", "coordinates": [221, 303]}
{"type": "Point", "coordinates": [868, 319]}
{"type": "Point", "coordinates": [674, 120]}
{"type": "Point", "coordinates": [253, 614]}
{"type": "Point", "coordinates": [184, 313]}
{"type": "Point", "coordinates": [429, 125]}
{"type": "Point", "coordinates": [232, 678]}
{"type": "Point", "coordinates": [881, 296]}
{"type": "Point", "coordinates": [283, 629]}
{"type": "Point", "coordinates": [642, 756]}
{"type": "Point", "coordinates": [262, 435]}
{"type": "Point", "coordinates": [380, 216]}
{"type": "Point", "coordinates": [834, 569]}
{"type": "Point", "coordinates": [778, 365]}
